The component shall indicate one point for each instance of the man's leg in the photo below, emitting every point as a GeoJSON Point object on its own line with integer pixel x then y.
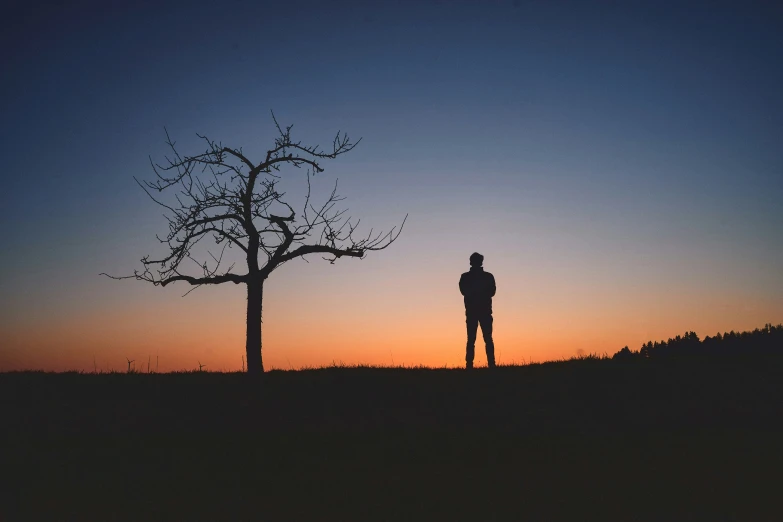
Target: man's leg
{"type": "Point", "coordinates": [472, 323]}
{"type": "Point", "coordinates": [486, 331]}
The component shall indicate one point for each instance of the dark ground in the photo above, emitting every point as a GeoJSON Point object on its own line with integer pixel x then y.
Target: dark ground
{"type": "Point", "coordinates": [579, 440]}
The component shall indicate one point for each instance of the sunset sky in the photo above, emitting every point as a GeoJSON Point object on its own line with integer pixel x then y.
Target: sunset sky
{"type": "Point", "coordinates": [620, 168]}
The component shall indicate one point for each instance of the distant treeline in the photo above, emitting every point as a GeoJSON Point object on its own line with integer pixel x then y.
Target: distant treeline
{"type": "Point", "coordinates": [761, 341]}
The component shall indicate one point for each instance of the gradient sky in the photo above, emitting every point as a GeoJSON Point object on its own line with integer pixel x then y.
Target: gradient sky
{"type": "Point", "coordinates": [620, 166]}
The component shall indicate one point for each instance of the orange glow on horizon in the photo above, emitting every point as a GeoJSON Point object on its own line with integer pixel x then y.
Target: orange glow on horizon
{"type": "Point", "coordinates": [180, 336]}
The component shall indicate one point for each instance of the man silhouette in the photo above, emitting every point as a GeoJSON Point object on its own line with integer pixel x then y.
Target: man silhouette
{"type": "Point", "coordinates": [478, 287]}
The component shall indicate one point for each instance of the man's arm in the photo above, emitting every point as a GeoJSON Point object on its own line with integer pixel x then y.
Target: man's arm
{"type": "Point", "coordinates": [462, 284]}
{"type": "Point", "coordinates": [492, 288]}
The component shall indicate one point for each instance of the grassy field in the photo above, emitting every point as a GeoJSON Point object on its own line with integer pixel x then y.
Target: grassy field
{"type": "Point", "coordinates": [586, 439]}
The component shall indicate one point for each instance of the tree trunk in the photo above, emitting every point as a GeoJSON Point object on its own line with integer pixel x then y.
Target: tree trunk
{"type": "Point", "coordinates": [255, 297]}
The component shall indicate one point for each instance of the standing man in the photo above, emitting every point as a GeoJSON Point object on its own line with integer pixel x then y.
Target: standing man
{"type": "Point", "coordinates": [478, 287]}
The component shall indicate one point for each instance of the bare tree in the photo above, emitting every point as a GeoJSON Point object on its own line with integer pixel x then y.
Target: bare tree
{"type": "Point", "coordinates": [223, 195]}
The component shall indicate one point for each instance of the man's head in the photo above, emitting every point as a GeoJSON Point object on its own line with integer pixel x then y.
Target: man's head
{"type": "Point", "coordinates": [476, 259]}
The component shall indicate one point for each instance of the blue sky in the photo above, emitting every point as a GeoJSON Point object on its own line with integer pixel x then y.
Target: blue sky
{"type": "Point", "coordinates": [630, 144]}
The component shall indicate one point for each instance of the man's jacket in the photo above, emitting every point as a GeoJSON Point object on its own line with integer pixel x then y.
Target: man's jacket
{"type": "Point", "coordinates": [478, 287]}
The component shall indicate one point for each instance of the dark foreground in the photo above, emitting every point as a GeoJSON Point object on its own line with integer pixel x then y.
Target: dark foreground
{"type": "Point", "coordinates": [579, 440]}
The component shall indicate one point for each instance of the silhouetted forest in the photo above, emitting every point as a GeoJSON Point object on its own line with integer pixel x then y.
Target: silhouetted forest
{"type": "Point", "coordinates": [759, 342]}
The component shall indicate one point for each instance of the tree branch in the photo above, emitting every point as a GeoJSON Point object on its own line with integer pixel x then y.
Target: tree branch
{"type": "Point", "coordinates": [228, 202]}
{"type": "Point", "coordinates": [214, 280]}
